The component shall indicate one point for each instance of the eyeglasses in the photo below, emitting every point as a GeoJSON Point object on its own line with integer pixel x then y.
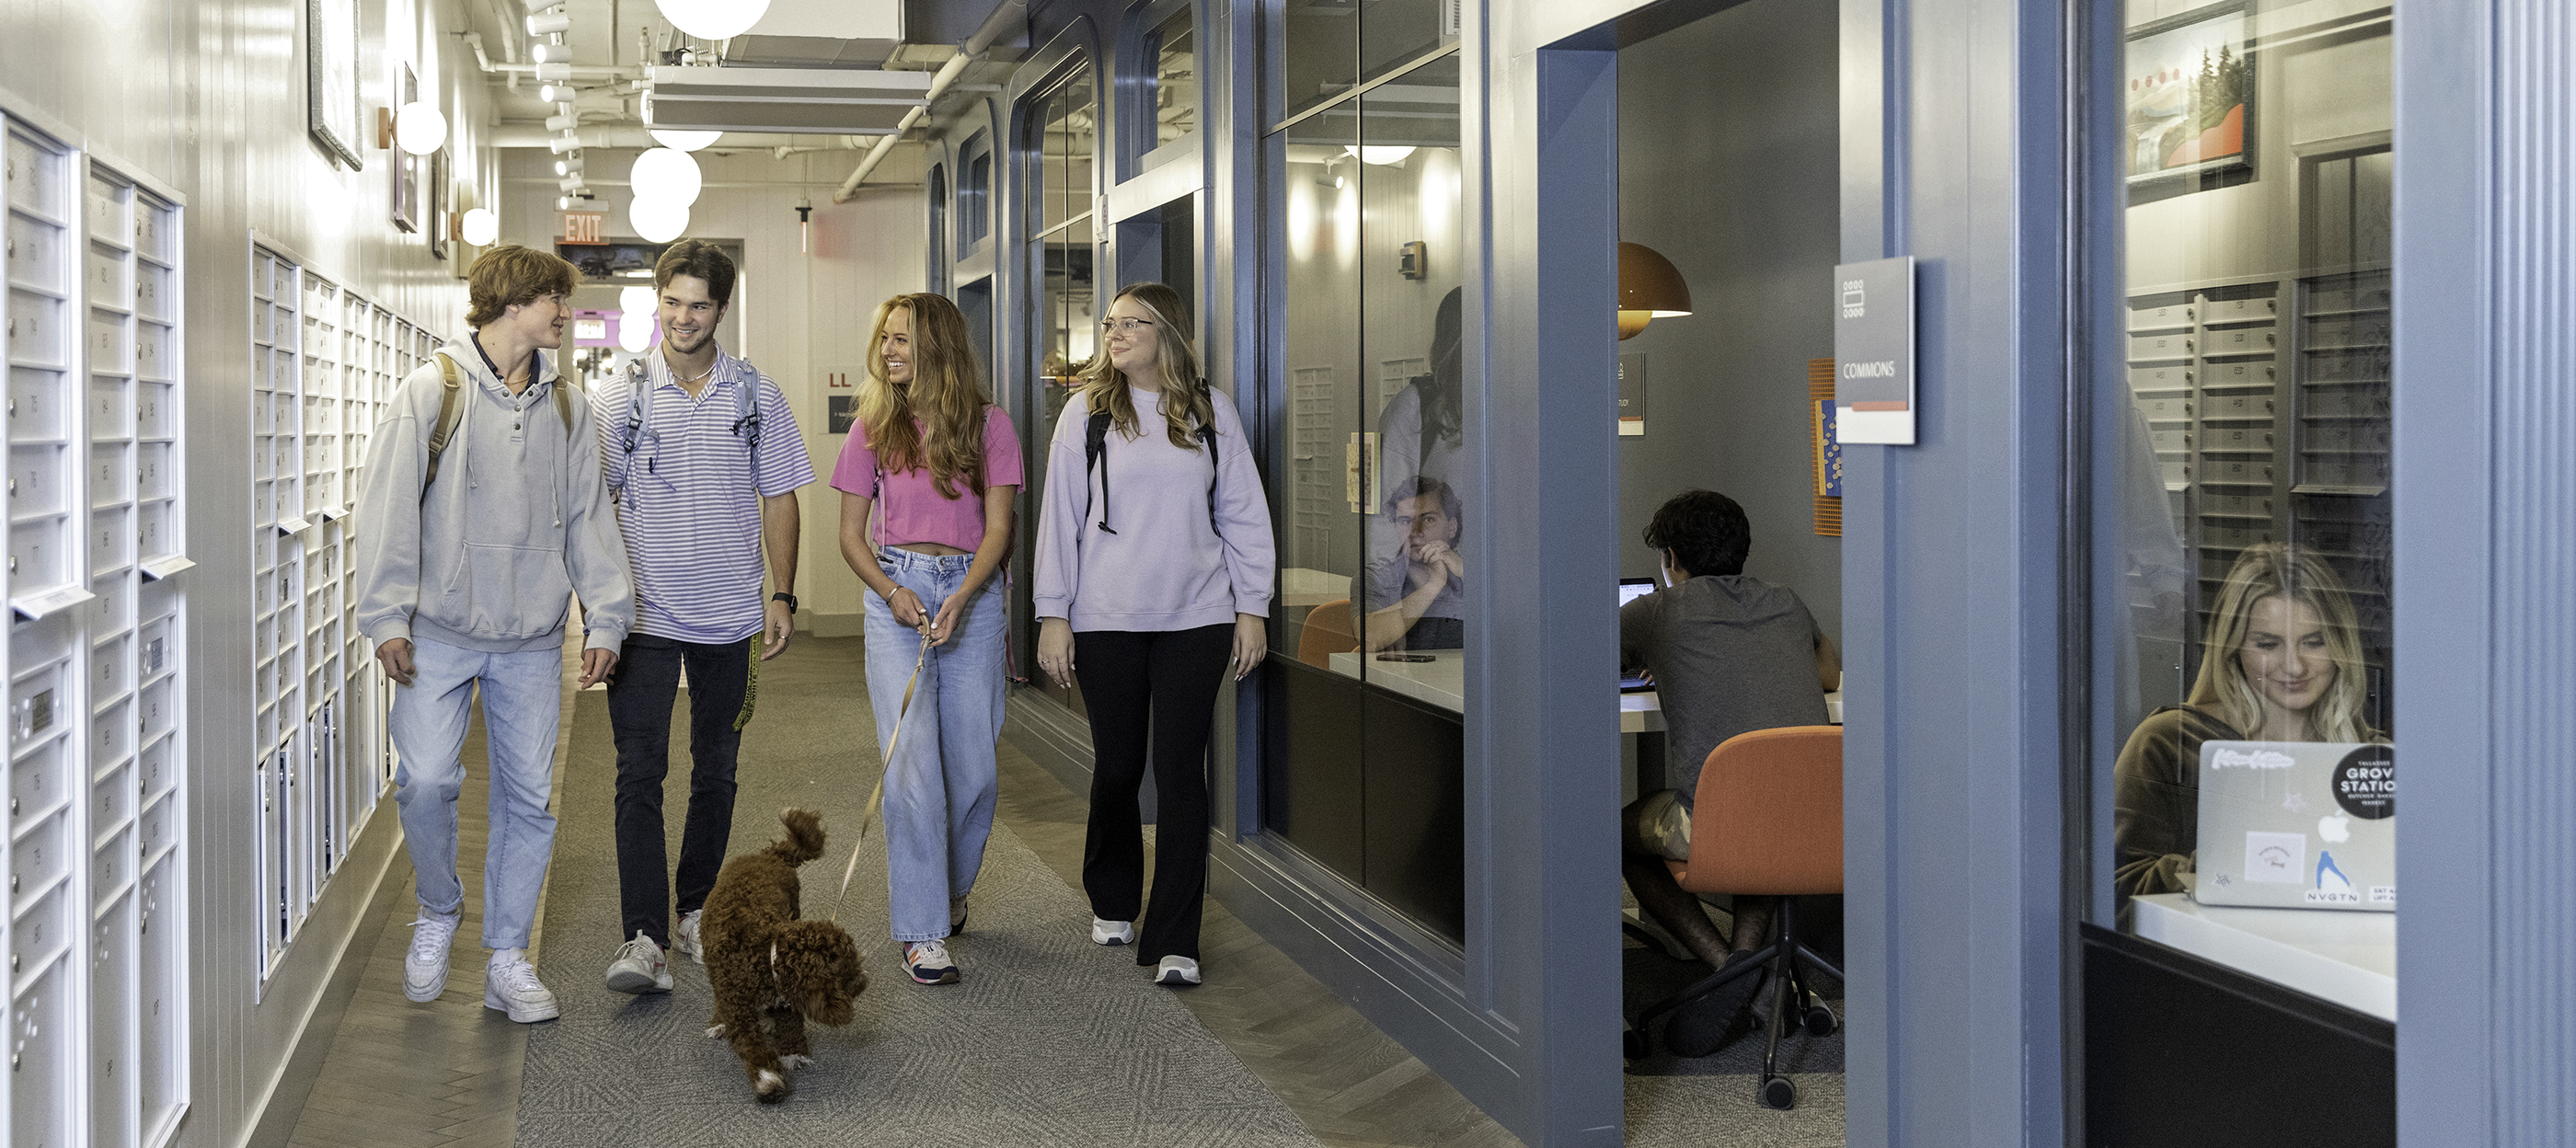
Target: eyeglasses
{"type": "Point", "coordinates": [1124, 326]}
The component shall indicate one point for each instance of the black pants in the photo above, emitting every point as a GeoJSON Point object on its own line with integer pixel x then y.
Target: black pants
{"type": "Point", "coordinates": [639, 712]}
{"type": "Point", "coordinates": [1165, 682]}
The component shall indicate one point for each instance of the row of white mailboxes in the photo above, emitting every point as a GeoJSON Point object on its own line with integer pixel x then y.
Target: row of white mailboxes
{"type": "Point", "coordinates": [2331, 470]}
{"type": "Point", "coordinates": [2356, 404]}
{"type": "Point", "coordinates": [2338, 333]}
{"type": "Point", "coordinates": [38, 409]}
{"type": "Point", "coordinates": [2322, 436]}
{"type": "Point", "coordinates": [118, 344]}
{"type": "Point", "coordinates": [40, 550]}
{"type": "Point", "coordinates": [280, 328]}
{"type": "Point", "coordinates": [36, 479]}
{"type": "Point", "coordinates": [274, 412]}
{"type": "Point", "coordinates": [2337, 369]}
{"type": "Point", "coordinates": [2204, 310]}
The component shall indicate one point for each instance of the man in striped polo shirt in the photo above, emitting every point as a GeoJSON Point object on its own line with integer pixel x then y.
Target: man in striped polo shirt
{"type": "Point", "coordinates": [703, 458]}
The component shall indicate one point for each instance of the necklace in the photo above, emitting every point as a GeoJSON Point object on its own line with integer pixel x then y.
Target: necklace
{"type": "Point", "coordinates": [701, 376]}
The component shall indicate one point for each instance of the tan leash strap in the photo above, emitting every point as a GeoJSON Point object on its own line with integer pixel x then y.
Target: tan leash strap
{"type": "Point", "coordinates": [876, 799]}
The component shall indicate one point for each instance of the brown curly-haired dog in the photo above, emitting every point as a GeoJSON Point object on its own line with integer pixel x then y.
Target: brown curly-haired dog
{"type": "Point", "coordinates": [765, 964]}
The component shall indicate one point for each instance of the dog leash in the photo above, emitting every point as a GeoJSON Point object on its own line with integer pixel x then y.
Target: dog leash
{"type": "Point", "coordinates": [876, 799]}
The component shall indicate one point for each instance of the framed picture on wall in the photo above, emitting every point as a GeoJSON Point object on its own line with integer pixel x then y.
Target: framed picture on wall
{"type": "Point", "coordinates": [406, 182]}
{"type": "Point", "coordinates": [331, 77]}
{"type": "Point", "coordinates": [2191, 101]}
{"type": "Point", "coordinates": [439, 199]}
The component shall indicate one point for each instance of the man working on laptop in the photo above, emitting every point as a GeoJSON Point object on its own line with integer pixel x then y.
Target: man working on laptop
{"type": "Point", "coordinates": [1729, 653]}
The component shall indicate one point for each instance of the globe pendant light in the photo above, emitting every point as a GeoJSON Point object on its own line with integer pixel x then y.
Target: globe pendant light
{"type": "Point", "coordinates": [713, 19]}
{"type": "Point", "coordinates": [482, 227]}
{"type": "Point", "coordinates": [634, 332]}
{"type": "Point", "coordinates": [684, 141]}
{"type": "Point", "coordinates": [657, 220]}
{"type": "Point", "coordinates": [666, 173]}
{"type": "Point", "coordinates": [419, 128]}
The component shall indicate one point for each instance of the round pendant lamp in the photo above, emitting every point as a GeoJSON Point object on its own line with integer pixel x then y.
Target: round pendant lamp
{"type": "Point", "coordinates": [658, 220]}
{"type": "Point", "coordinates": [683, 141]}
{"type": "Point", "coordinates": [713, 19]}
{"type": "Point", "coordinates": [667, 173]}
{"type": "Point", "coordinates": [1650, 287]}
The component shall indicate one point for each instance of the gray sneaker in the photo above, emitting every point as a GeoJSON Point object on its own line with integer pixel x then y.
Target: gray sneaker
{"type": "Point", "coordinates": [510, 984]}
{"type": "Point", "coordinates": [1108, 932]}
{"type": "Point", "coordinates": [685, 938]}
{"type": "Point", "coordinates": [639, 967]}
{"type": "Point", "coordinates": [425, 967]}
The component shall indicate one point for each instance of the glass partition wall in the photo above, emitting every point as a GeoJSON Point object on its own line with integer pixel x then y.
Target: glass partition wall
{"type": "Point", "coordinates": [1370, 463]}
{"type": "Point", "coordinates": [1060, 142]}
{"type": "Point", "coordinates": [2241, 444]}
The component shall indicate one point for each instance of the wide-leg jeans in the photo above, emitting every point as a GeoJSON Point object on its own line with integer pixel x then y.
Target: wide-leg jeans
{"type": "Point", "coordinates": [942, 782]}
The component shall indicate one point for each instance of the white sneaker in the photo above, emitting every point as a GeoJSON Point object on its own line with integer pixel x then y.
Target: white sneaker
{"type": "Point", "coordinates": [929, 963]}
{"type": "Point", "coordinates": [1177, 970]}
{"type": "Point", "coordinates": [425, 967]}
{"type": "Point", "coordinates": [639, 967]}
{"type": "Point", "coordinates": [685, 938]}
{"type": "Point", "coordinates": [510, 984]}
{"type": "Point", "coordinates": [1112, 932]}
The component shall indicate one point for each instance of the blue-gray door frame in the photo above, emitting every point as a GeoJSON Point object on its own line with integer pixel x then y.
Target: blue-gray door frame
{"type": "Point", "coordinates": [2485, 446]}
{"type": "Point", "coordinates": [1954, 152]}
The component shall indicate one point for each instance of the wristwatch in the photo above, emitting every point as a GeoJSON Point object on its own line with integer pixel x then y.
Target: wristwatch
{"type": "Point", "coordinates": [783, 596]}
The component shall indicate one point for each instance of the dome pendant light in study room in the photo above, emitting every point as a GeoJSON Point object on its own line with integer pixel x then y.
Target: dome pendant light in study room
{"type": "Point", "coordinates": [1650, 287]}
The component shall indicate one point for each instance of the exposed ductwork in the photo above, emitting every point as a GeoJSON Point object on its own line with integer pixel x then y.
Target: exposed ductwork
{"type": "Point", "coordinates": [527, 136]}
{"type": "Point", "coordinates": [1004, 15]}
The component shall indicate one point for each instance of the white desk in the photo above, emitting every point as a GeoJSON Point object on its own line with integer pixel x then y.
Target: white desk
{"type": "Point", "coordinates": [2347, 958]}
{"type": "Point", "coordinates": [1443, 682]}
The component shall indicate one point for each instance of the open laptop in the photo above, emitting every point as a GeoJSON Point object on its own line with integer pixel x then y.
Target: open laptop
{"type": "Point", "coordinates": [1631, 589]}
{"type": "Point", "coordinates": [2302, 825]}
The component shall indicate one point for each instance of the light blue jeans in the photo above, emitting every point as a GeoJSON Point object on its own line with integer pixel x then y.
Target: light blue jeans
{"type": "Point", "coordinates": [522, 708]}
{"type": "Point", "coordinates": [941, 785]}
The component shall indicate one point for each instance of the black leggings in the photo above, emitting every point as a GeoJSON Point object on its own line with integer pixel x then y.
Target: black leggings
{"type": "Point", "coordinates": [1165, 682]}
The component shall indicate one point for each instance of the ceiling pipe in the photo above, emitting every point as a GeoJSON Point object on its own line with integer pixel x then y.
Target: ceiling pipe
{"type": "Point", "coordinates": [525, 136]}
{"type": "Point", "coordinates": [992, 29]}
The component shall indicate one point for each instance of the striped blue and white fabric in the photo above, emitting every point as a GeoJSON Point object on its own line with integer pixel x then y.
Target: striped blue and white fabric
{"type": "Point", "coordinates": [685, 498]}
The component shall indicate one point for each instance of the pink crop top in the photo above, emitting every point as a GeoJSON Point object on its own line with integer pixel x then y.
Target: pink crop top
{"type": "Point", "coordinates": [910, 508]}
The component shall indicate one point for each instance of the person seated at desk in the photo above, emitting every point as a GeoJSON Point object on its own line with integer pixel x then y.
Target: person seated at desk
{"type": "Point", "coordinates": [2281, 662]}
{"type": "Point", "coordinates": [1423, 584]}
{"type": "Point", "coordinates": [1729, 653]}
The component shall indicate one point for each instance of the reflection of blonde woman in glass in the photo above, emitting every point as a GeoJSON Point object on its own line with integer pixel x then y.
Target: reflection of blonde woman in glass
{"type": "Point", "coordinates": [2281, 662]}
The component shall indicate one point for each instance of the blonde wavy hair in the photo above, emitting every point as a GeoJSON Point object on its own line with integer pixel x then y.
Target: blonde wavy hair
{"type": "Point", "coordinates": [946, 394]}
{"type": "Point", "coordinates": [2262, 572]}
{"type": "Point", "coordinates": [1185, 403]}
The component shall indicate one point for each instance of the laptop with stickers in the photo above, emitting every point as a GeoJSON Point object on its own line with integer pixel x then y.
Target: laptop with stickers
{"type": "Point", "coordinates": [2301, 825]}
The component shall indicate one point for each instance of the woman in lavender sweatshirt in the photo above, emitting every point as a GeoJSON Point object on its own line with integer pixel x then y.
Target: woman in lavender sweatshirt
{"type": "Point", "coordinates": [1152, 605]}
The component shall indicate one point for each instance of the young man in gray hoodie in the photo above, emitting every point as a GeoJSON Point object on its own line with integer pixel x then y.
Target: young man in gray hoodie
{"type": "Point", "coordinates": [483, 511]}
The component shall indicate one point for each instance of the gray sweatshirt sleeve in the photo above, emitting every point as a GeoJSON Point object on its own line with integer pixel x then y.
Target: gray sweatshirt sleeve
{"type": "Point", "coordinates": [389, 510]}
{"type": "Point", "coordinates": [594, 551]}
{"type": "Point", "coordinates": [1061, 517]}
{"type": "Point", "coordinates": [1243, 516]}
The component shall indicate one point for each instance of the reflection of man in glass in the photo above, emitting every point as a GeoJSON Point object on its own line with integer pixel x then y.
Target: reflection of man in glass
{"type": "Point", "coordinates": [1416, 596]}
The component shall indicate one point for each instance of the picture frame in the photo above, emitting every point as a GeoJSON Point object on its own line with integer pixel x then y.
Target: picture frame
{"type": "Point", "coordinates": [405, 209]}
{"type": "Point", "coordinates": [2191, 102]}
{"type": "Point", "coordinates": [440, 196]}
{"type": "Point", "coordinates": [331, 78]}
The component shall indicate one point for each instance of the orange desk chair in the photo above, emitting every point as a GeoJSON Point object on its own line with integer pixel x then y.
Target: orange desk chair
{"type": "Point", "coordinates": [1327, 632]}
{"type": "Point", "coordinates": [1768, 820]}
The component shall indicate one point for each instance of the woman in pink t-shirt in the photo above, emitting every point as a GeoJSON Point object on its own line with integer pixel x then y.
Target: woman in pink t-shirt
{"type": "Point", "coordinates": [937, 464]}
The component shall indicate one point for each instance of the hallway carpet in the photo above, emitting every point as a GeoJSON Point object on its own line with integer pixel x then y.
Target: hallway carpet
{"type": "Point", "coordinates": [1050, 1040]}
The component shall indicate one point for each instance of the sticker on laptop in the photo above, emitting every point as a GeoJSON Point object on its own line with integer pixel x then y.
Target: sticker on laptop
{"type": "Point", "coordinates": [2333, 888]}
{"type": "Point", "coordinates": [2276, 858]}
{"type": "Point", "coordinates": [2365, 782]}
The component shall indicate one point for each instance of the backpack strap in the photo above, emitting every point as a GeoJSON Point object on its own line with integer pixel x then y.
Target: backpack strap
{"type": "Point", "coordinates": [1095, 453]}
{"type": "Point", "coordinates": [445, 428]}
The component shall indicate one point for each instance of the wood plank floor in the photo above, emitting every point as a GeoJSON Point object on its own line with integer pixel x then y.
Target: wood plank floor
{"type": "Point", "coordinates": [447, 1073]}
